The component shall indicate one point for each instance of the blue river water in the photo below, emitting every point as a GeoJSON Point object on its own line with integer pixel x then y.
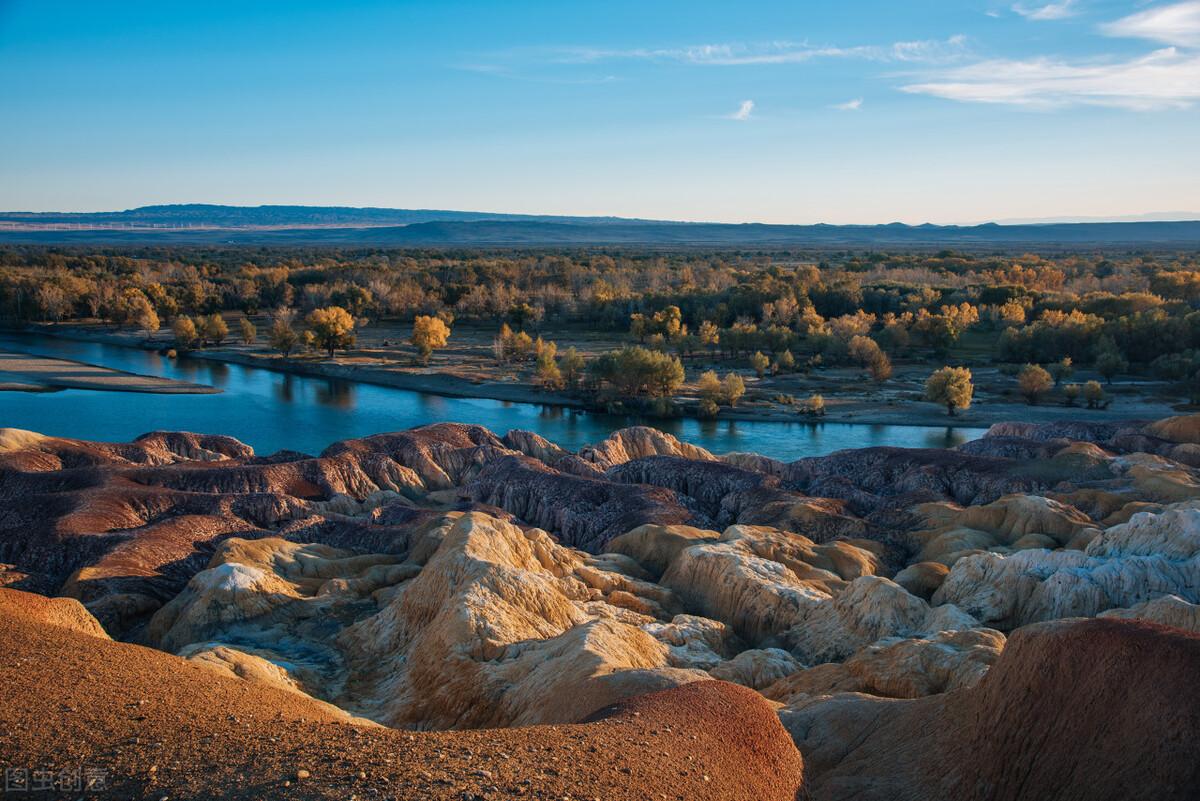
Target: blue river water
{"type": "Point", "coordinates": [271, 410]}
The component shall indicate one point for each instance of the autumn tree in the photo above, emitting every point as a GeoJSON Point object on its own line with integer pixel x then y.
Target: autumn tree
{"type": "Point", "coordinates": [184, 331]}
{"type": "Point", "coordinates": [214, 330]}
{"type": "Point", "coordinates": [786, 362]}
{"type": "Point", "coordinates": [1034, 382]}
{"type": "Point", "coordinates": [522, 346]}
{"type": "Point", "coordinates": [866, 352]}
{"type": "Point", "coordinates": [708, 386]}
{"type": "Point", "coordinates": [710, 335]}
{"type": "Point", "coordinates": [282, 336]}
{"type": "Point", "coordinates": [331, 327]}
{"type": "Point", "coordinates": [951, 387]}
{"type": "Point", "coordinates": [546, 370]}
{"type": "Point", "coordinates": [732, 388]}
{"type": "Point", "coordinates": [759, 362]}
{"type": "Point", "coordinates": [1063, 368]}
{"type": "Point", "coordinates": [1093, 393]}
{"type": "Point", "coordinates": [247, 331]}
{"type": "Point", "coordinates": [572, 365]}
{"type": "Point", "coordinates": [1011, 313]}
{"type": "Point", "coordinates": [637, 326]}
{"type": "Point", "coordinates": [147, 320]}
{"type": "Point", "coordinates": [428, 334]}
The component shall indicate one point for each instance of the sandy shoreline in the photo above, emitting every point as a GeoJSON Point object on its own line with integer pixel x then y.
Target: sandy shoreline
{"type": "Point", "coordinates": [388, 373]}
{"type": "Point", "coordinates": [21, 372]}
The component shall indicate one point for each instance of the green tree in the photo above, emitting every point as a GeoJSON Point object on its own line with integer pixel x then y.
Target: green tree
{"type": "Point", "coordinates": [1034, 382]}
{"type": "Point", "coordinates": [331, 327]}
{"type": "Point", "coordinates": [428, 334]}
{"type": "Point", "coordinates": [635, 370]}
{"type": "Point", "coordinates": [951, 387]}
{"type": "Point", "coordinates": [1110, 364]}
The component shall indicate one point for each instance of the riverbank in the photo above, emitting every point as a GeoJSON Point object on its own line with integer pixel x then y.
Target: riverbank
{"type": "Point", "coordinates": [848, 398]}
{"type": "Point", "coordinates": [20, 372]}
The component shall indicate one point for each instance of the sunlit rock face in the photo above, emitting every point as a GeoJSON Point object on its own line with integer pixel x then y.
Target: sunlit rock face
{"type": "Point", "coordinates": [450, 578]}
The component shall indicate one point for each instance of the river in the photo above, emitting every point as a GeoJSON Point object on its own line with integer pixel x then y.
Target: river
{"type": "Point", "coordinates": [270, 411]}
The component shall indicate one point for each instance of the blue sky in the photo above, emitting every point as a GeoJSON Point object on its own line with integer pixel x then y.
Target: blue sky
{"type": "Point", "coordinates": [770, 111]}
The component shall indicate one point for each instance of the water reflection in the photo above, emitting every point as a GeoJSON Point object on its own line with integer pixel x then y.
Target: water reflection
{"type": "Point", "coordinates": [218, 373]}
{"type": "Point", "coordinates": [273, 411]}
{"type": "Point", "coordinates": [285, 388]}
{"type": "Point", "coordinates": [335, 393]}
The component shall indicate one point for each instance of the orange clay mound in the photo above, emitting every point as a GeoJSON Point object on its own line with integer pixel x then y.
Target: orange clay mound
{"type": "Point", "coordinates": [153, 725]}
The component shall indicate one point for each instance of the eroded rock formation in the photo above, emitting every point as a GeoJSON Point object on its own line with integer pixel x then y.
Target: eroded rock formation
{"type": "Point", "coordinates": [448, 578]}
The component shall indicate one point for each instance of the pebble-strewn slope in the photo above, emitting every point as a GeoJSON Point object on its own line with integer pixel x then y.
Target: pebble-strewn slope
{"type": "Point", "coordinates": [446, 578]}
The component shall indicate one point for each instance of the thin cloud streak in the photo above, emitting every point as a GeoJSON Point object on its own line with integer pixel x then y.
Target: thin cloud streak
{"type": "Point", "coordinates": [1177, 24]}
{"type": "Point", "coordinates": [850, 105]}
{"type": "Point", "coordinates": [1050, 11]}
{"type": "Point", "coordinates": [1164, 79]}
{"type": "Point", "coordinates": [731, 54]}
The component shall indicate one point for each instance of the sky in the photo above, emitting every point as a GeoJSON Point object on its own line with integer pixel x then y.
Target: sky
{"type": "Point", "coordinates": [784, 112]}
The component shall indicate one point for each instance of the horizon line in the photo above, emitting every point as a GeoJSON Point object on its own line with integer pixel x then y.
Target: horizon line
{"type": "Point", "coordinates": [1063, 219]}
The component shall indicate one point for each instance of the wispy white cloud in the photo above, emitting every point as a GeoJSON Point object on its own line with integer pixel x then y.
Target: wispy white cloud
{"type": "Point", "coordinates": [850, 105]}
{"type": "Point", "coordinates": [1049, 11]}
{"type": "Point", "coordinates": [502, 71]}
{"type": "Point", "coordinates": [1164, 79]}
{"type": "Point", "coordinates": [1176, 24]}
{"type": "Point", "coordinates": [738, 54]}
{"type": "Point", "coordinates": [744, 111]}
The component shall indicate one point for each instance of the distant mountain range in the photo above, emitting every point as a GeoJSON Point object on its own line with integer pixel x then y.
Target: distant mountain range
{"type": "Point", "coordinates": [345, 226]}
